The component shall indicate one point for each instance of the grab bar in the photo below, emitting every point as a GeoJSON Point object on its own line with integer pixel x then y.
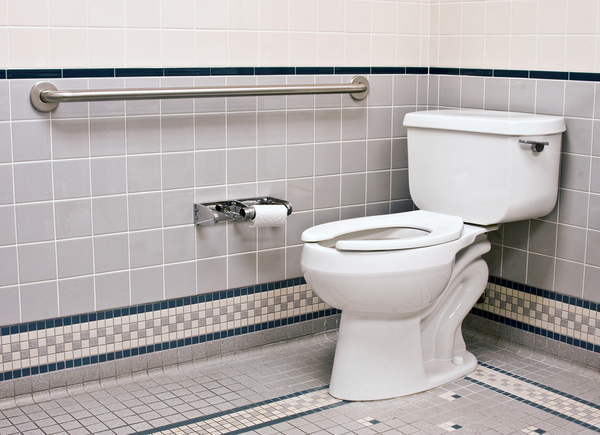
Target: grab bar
{"type": "Point", "coordinates": [45, 96]}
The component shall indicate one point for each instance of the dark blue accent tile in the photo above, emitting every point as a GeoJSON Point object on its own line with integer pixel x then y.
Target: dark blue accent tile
{"type": "Point", "coordinates": [444, 71]}
{"type": "Point", "coordinates": [77, 362]}
{"type": "Point", "coordinates": [310, 70]}
{"type": "Point", "coordinates": [511, 73]}
{"type": "Point", "coordinates": [88, 72]}
{"type": "Point", "coordinates": [584, 77]}
{"type": "Point", "coordinates": [171, 304]}
{"type": "Point", "coordinates": [5, 330]}
{"type": "Point", "coordinates": [93, 317]}
{"type": "Point", "coordinates": [119, 354]}
{"type": "Point", "coordinates": [274, 71]}
{"type": "Point", "coordinates": [32, 326]}
{"type": "Point", "coordinates": [161, 306]}
{"type": "Point", "coordinates": [549, 75]}
{"type": "Point", "coordinates": [388, 70]}
{"type": "Point", "coordinates": [139, 72]}
{"type": "Point", "coordinates": [170, 72]}
{"type": "Point", "coordinates": [352, 70]}
{"type": "Point", "coordinates": [417, 70]}
{"type": "Point", "coordinates": [102, 358]}
{"type": "Point", "coordinates": [478, 72]}
{"type": "Point", "coordinates": [232, 71]}
{"type": "Point", "coordinates": [33, 74]}
{"type": "Point", "coordinates": [2, 74]}
{"type": "Point", "coordinates": [34, 370]}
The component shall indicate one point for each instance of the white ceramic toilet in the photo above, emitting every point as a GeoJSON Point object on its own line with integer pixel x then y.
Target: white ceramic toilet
{"type": "Point", "coordinates": [406, 281]}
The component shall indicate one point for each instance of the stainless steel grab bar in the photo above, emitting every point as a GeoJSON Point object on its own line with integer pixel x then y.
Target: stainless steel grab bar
{"type": "Point", "coordinates": [45, 97]}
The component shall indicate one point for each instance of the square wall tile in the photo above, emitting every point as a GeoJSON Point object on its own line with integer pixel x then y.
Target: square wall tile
{"type": "Point", "coordinates": [39, 301]}
{"type": "Point", "coordinates": [73, 218]}
{"type": "Point", "coordinates": [5, 143]}
{"type": "Point", "coordinates": [540, 271]}
{"type": "Point", "coordinates": [212, 275]}
{"type": "Point", "coordinates": [145, 248]}
{"type": "Point", "coordinates": [144, 211]}
{"type": "Point", "coordinates": [271, 162]}
{"type": "Point", "coordinates": [143, 134]}
{"type": "Point", "coordinates": [210, 131]}
{"type": "Point", "coordinates": [108, 176]}
{"type": "Point", "coordinates": [300, 160]}
{"type": "Point", "coordinates": [70, 138]}
{"type": "Point", "coordinates": [211, 241]}
{"type": "Point", "coordinates": [211, 167]}
{"type": "Point", "coordinates": [33, 182]}
{"type": "Point", "coordinates": [241, 270]}
{"type": "Point", "coordinates": [569, 278]}
{"type": "Point", "coordinates": [75, 257]}
{"type": "Point", "coordinates": [271, 128]}
{"type": "Point", "coordinates": [107, 136]}
{"type": "Point", "coordinates": [111, 253]}
{"type": "Point", "coordinates": [177, 133]}
{"type": "Point", "coordinates": [354, 156]}
{"type": "Point", "coordinates": [180, 280]}
{"type": "Point", "coordinates": [7, 223]}
{"type": "Point", "coordinates": [31, 140]}
{"type": "Point", "coordinates": [327, 158]}
{"type": "Point", "coordinates": [110, 214]}
{"type": "Point", "coordinates": [241, 165]}
{"type": "Point", "coordinates": [179, 243]}
{"type": "Point", "coordinates": [112, 290]}
{"type": "Point", "coordinates": [71, 179]}
{"type": "Point", "coordinates": [327, 191]}
{"type": "Point", "coordinates": [8, 266]}
{"type": "Point", "coordinates": [76, 295]}
{"type": "Point", "coordinates": [328, 125]}
{"type": "Point", "coordinates": [178, 207]}
{"type": "Point", "coordinates": [146, 285]}
{"type": "Point", "coordinates": [571, 243]}
{"type": "Point", "coordinates": [9, 309]}
{"type": "Point", "coordinates": [37, 262]}
{"type": "Point", "coordinates": [271, 265]}
{"type": "Point", "coordinates": [35, 222]}
{"type": "Point", "coordinates": [177, 170]}
{"type": "Point", "coordinates": [143, 173]}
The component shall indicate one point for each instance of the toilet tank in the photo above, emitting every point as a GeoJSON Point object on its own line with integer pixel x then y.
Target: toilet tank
{"type": "Point", "coordinates": [480, 165]}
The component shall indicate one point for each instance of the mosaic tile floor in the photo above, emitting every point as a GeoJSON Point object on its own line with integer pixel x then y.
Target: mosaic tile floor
{"type": "Point", "coordinates": [281, 389]}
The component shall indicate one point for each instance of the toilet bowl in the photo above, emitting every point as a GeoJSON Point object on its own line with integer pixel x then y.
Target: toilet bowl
{"type": "Point", "coordinates": [386, 274]}
{"type": "Point", "coordinates": [406, 281]}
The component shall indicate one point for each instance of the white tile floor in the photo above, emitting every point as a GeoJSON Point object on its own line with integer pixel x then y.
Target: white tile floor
{"type": "Point", "coordinates": [279, 389]}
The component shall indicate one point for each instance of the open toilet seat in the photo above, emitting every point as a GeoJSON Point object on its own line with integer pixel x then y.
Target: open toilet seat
{"type": "Point", "coordinates": [388, 232]}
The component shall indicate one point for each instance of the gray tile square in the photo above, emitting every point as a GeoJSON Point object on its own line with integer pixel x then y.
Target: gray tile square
{"type": "Point", "coordinates": [516, 234]}
{"type": "Point", "coordinates": [292, 261]}
{"type": "Point", "coordinates": [594, 212]}
{"type": "Point", "coordinates": [378, 186]}
{"type": "Point", "coordinates": [354, 157]}
{"type": "Point", "coordinates": [271, 128]}
{"type": "Point", "coordinates": [107, 136]}
{"type": "Point", "coordinates": [180, 280]}
{"type": "Point", "coordinates": [31, 140]}
{"type": "Point", "coordinates": [146, 285]}
{"type": "Point", "coordinates": [569, 278]}
{"type": "Point", "coordinates": [8, 266]}
{"type": "Point", "coordinates": [179, 105]}
{"type": "Point", "coordinates": [75, 257]}
{"type": "Point", "coordinates": [540, 271]}
{"type": "Point", "coordinates": [405, 90]}
{"type": "Point", "coordinates": [178, 207]}
{"type": "Point", "coordinates": [579, 99]}
{"type": "Point", "coordinates": [353, 189]}
{"type": "Point", "coordinates": [327, 158]}
{"type": "Point", "coordinates": [382, 89]}
{"type": "Point", "coordinates": [143, 173]}
{"type": "Point", "coordinates": [573, 207]}
{"type": "Point", "coordinates": [142, 107]}
{"type": "Point", "coordinates": [20, 104]}
{"type": "Point", "coordinates": [9, 309]}
{"type": "Point", "coordinates": [550, 97]}
{"type": "Point", "coordinates": [239, 104]}
{"type": "Point", "coordinates": [496, 93]}
{"type": "Point", "coordinates": [35, 222]}
{"type": "Point", "coordinates": [297, 223]}
{"type": "Point", "coordinates": [300, 160]}
{"type": "Point", "coordinates": [300, 126]}
{"type": "Point", "coordinates": [328, 125]}
{"type": "Point", "coordinates": [73, 218]}
{"type": "Point", "coordinates": [144, 211]}
{"type": "Point", "coordinates": [399, 130]}
{"type": "Point", "coordinates": [112, 290]}
{"type": "Point", "coordinates": [5, 143]}
{"type": "Point", "coordinates": [212, 275]}
{"type": "Point", "coordinates": [111, 253]}
{"type": "Point", "coordinates": [241, 165]}
{"type": "Point", "coordinates": [522, 95]}
{"type": "Point", "coordinates": [271, 265]}
{"type": "Point", "coordinates": [143, 134]}
{"type": "Point", "coordinates": [592, 254]}
{"type": "Point", "coordinates": [300, 193]}
{"type": "Point", "coordinates": [400, 188]}
{"type": "Point", "coordinates": [595, 182]}
{"type": "Point", "coordinates": [241, 237]}
{"type": "Point", "coordinates": [271, 163]}
{"type": "Point", "coordinates": [107, 108]}
{"type": "Point", "coordinates": [70, 138]}
{"type": "Point", "coordinates": [542, 237]}
{"type": "Point", "coordinates": [7, 223]}
{"type": "Point", "coordinates": [578, 137]}
{"type": "Point", "coordinates": [271, 237]}
{"type": "Point", "coordinates": [145, 248]}
{"type": "Point", "coordinates": [591, 291]}
{"type": "Point", "coordinates": [241, 270]}
{"type": "Point", "coordinates": [177, 133]}
{"type": "Point", "coordinates": [210, 131]}
{"type": "Point", "coordinates": [110, 214]}
{"type": "Point", "coordinates": [6, 184]}
{"type": "Point", "coordinates": [379, 154]}
{"type": "Point", "coordinates": [271, 102]}
{"type": "Point", "coordinates": [571, 243]}
{"type": "Point", "coordinates": [433, 84]}
{"type": "Point", "coordinates": [354, 124]}
{"type": "Point", "coordinates": [211, 241]}
{"type": "Point", "coordinates": [327, 191]}
{"type": "Point", "coordinates": [241, 130]}
{"type": "Point", "coordinates": [399, 156]}
{"type": "Point", "coordinates": [379, 123]}
{"type": "Point", "coordinates": [37, 262]}
{"type": "Point", "coordinates": [179, 244]}
{"type": "Point", "coordinates": [76, 296]}
{"type": "Point", "coordinates": [177, 170]}
{"type": "Point", "coordinates": [472, 92]}
{"type": "Point", "coordinates": [450, 91]}
{"type": "Point", "coordinates": [211, 167]}
{"type": "Point", "coordinates": [33, 182]}
{"type": "Point", "coordinates": [108, 176]}
{"type": "Point", "coordinates": [39, 301]}
{"type": "Point", "coordinates": [575, 172]}
{"type": "Point", "coordinates": [514, 265]}
{"type": "Point", "coordinates": [71, 179]}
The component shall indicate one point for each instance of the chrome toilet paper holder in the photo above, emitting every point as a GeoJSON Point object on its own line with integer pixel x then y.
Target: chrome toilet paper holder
{"type": "Point", "coordinates": [210, 213]}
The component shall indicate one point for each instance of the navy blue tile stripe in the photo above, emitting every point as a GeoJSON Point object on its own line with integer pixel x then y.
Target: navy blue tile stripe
{"type": "Point", "coordinates": [146, 308]}
{"type": "Point", "coordinates": [537, 405]}
{"type": "Point", "coordinates": [112, 356]}
{"type": "Point", "coordinates": [542, 386]}
{"type": "Point", "coordinates": [57, 73]}
{"type": "Point", "coordinates": [250, 406]}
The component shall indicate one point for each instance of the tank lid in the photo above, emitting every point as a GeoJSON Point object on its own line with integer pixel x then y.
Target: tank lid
{"type": "Point", "coordinates": [486, 121]}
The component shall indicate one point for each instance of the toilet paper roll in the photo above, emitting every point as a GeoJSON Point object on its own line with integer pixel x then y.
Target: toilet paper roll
{"type": "Point", "coordinates": [269, 216]}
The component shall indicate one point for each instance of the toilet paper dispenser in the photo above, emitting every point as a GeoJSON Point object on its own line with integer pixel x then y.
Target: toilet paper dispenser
{"type": "Point", "coordinates": [210, 213]}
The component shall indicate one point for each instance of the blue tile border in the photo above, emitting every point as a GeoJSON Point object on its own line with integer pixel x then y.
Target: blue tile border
{"type": "Point", "coordinates": [534, 329]}
{"type": "Point", "coordinates": [57, 73]}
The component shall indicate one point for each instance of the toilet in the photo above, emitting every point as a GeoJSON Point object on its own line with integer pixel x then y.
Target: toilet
{"type": "Point", "coordinates": [406, 281]}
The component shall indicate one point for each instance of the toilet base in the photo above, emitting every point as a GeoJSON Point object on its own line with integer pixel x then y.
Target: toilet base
{"type": "Point", "coordinates": [379, 356]}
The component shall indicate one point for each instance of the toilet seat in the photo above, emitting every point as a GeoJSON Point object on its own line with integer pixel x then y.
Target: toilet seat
{"type": "Point", "coordinates": [388, 232]}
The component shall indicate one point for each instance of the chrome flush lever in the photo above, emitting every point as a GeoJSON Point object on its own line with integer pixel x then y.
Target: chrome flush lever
{"type": "Point", "coordinates": [536, 146]}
